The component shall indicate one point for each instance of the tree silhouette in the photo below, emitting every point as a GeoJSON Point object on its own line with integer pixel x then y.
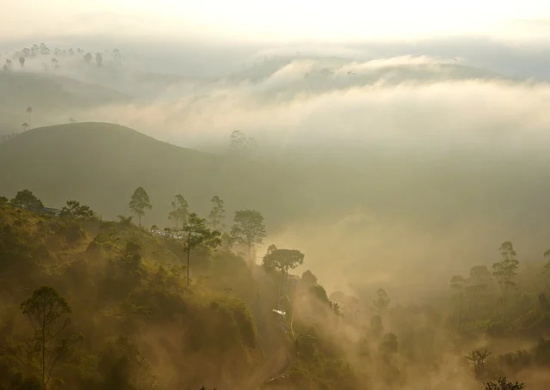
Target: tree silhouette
{"type": "Point", "coordinates": [7, 65]}
{"type": "Point", "coordinates": [139, 202]}
{"type": "Point", "coordinates": [503, 384]}
{"type": "Point", "coordinates": [29, 111]}
{"type": "Point", "coordinates": [248, 229]}
{"type": "Point", "coordinates": [26, 200]}
{"type": "Point", "coordinates": [382, 300]}
{"type": "Point", "coordinates": [125, 221]}
{"type": "Point", "coordinates": [198, 235]}
{"type": "Point", "coordinates": [180, 211]}
{"type": "Point", "coordinates": [282, 260]}
{"type": "Point", "coordinates": [22, 61]}
{"type": "Point", "coordinates": [217, 214]}
{"type": "Point", "coordinates": [238, 140]}
{"type": "Point", "coordinates": [48, 314]}
{"type": "Point", "coordinates": [505, 270]}
{"type": "Point", "coordinates": [477, 358]}
{"type": "Point", "coordinates": [74, 210]}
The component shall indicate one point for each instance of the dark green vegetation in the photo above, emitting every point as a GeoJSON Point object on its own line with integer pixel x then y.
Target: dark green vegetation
{"type": "Point", "coordinates": [116, 310]}
{"type": "Point", "coordinates": [94, 304]}
{"type": "Point", "coordinates": [437, 205]}
{"type": "Point", "coordinates": [182, 308]}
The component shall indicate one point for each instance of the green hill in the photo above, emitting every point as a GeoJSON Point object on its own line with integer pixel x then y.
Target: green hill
{"type": "Point", "coordinates": [136, 323]}
{"type": "Point", "coordinates": [101, 165]}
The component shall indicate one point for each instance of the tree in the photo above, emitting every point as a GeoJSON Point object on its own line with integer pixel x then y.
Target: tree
{"type": "Point", "coordinates": [26, 200]}
{"type": "Point", "coordinates": [389, 345]}
{"type": "Point", "coordinates": [308, 279]}
{"type": "Point", "coordinates": [139, 202]}
{"type": "Point", "coordinates": [74, 210]}
{"type": "Point", "coordinates": [22, 61]}
{"type": "Point", "coordinates": [196, 234]}
{"type": "Point", "coordinates": [88, 58]}
{"type": "Point", "coordinates": [180, 212]}
{"type": "Point", "coordinates": [477, 358]}
{"type": "Point", "coordinates": [282, 260]}
{"type": "Point", "coordinates": [217, 214]}
{"type": "Point", "coordinates": [248, 229]}
{"type": "Point", "coordinates": [49, 316]}
{"type": "Point", "coordinates": [7, 66]}
{"type": "Point", "coordinates": [241, 143]}
{"type": "Point", "coordinates": [44, 50]}
{"type": "Point", "coordinates": [29, 111]}
{"type": "Point", "coordinates": [477, 288]}
{"type": "Point", "coordinates": [238, 140]}
{"type": "Point", "coordinates": [505, 270]}
{"type": "Point", "coordinates": [25, 126]}
{"type": "Point", "coordinates": [382, 300]}
{"type": "Point", "coordinates": [124, 221]}
{"type": "Point", "coordinates": [503, 384]}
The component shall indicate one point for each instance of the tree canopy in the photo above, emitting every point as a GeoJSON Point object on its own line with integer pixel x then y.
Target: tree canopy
{"type": "Point", "coordinates": [26, 200]}
{"type": "Point", "coordinates": [139, 202]}
{"type": "Point", "coordinates": [248, 229]}
{"type": "Point", "coordinates": [180, 211]}
{"type": "Point", "coordinates": [197, 234]}
{"type": "Point", "coordinates": [75, 210]}
{"type": "Point", "coordinates": [282, 260]}
{"type": "Point", "coordinates": [505, 270]}
{"type": "Point", "coordinates": [48, 314]}
{"type": "Point", "coordinates": [217, 213]}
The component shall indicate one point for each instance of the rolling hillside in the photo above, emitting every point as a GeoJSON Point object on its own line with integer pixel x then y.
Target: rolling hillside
{"type": "Point", "coordinates": [101, 164]}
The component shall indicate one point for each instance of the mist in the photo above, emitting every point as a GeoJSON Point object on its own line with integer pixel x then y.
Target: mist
{"type": "Point", "coordinates": [398, 168]}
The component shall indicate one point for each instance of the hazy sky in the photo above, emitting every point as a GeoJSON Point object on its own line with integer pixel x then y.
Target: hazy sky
{"type": "Point", "coordinates": [281, 20]}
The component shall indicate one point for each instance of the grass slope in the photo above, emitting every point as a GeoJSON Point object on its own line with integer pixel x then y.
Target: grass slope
{"type": "Point", "coordinates": [101, 165]}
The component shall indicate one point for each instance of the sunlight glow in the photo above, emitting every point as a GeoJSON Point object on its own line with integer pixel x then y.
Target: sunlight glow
{"type": "Point", "coordinates": [277, 20]}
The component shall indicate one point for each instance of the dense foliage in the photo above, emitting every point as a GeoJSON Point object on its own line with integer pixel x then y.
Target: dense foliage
{"type": "Point", "coordinates": [91, 304]}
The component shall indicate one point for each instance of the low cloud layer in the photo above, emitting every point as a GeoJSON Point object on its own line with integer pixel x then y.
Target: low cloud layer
{"type": "Point", "coordinates": [480, 138]}
{"type": "Point", "coordinates": [415, 102]}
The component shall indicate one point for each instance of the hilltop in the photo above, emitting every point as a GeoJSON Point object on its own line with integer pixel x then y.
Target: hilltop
{"type": "Point", "coordinates": [102, 164]}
